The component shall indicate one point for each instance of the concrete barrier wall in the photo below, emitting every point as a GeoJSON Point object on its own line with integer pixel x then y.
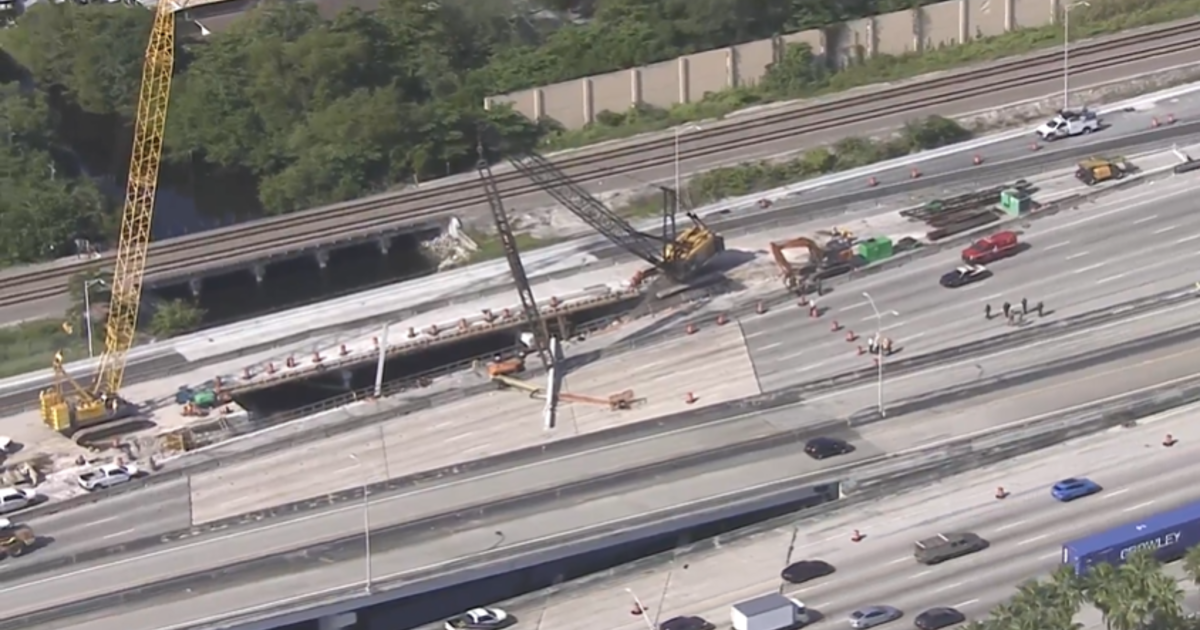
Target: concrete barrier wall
{"type": "Point", "coordinates": [688, 79]}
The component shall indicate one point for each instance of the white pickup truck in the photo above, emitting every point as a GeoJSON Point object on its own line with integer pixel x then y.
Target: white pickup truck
{"type": "Point", "coordinates": [107, 476]}
{"type": "Point", "coordinates": [1069, 123]}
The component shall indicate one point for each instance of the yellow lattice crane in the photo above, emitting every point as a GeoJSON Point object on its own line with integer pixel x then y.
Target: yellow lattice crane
{"type": "Point", "coordinates": [69, 407]}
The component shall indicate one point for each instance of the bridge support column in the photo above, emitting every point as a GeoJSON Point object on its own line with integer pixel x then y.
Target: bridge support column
{"type": "Point", "coordinates": [347, 379]}
{"type": "Point", "coordinates": [341, 621]}
{"type": "Point", "coordinates": [195, 284]}
{"type": "Point", "coordinates": [260, 272]}
{"type": "Point", "coordinates": [385, 244]}
{"type": "Point", "coordinates": [322, 256]}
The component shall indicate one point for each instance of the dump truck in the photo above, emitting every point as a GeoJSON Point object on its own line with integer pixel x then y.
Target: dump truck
{"type": "Point", "coordinates": [15, 539]}
{"type": "Point", "coordinates": [1096, 170]}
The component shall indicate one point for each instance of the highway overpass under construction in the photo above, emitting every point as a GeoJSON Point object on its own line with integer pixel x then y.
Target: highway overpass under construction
{"type": "Point", "coordinates": [416, 348]}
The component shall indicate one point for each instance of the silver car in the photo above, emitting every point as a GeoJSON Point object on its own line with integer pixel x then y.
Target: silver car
{"type": "Point", "coordinates": [871, 616]}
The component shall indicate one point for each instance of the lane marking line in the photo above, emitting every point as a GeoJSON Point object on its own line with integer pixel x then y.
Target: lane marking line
{"type": "Point", "coordinates": [1077, 255]}
{"type": "Point", "coordinates": [1164, 230]}
{"type": "Point", "coordinates": [1030, 541]}
{"type": "Point", "coordinates": [1142, 505]}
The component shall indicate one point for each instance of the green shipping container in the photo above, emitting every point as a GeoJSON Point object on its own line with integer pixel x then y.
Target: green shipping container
{"type": "Point", "coordinates": [1013, 202]}
{"type": "Point", "coordinates": [876, 249]}
{"type": "Point", "coordinates": [206, 398]}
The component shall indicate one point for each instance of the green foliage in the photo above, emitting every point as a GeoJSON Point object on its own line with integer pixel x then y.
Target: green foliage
{"type": "Point", "coordinates": [31, 346]}
{"type": "Point", "coordinates": [848, 153]}
{"type": "Point", "coordinates": [316, 111]}
{"type": "Point", "coordinates": [43, 208]}
{"type": "Point", "coordinates": [800, 74]}
{"type": "Point", "coordinates": [1137, 595]}
{"type": "Point", "coordinates": [175, 317]}
{"type": "Point", "coordinates": [90, 56]}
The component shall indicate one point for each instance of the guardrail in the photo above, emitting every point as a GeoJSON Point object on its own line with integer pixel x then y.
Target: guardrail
{"type": "Point", "coordinates": [363, 217]}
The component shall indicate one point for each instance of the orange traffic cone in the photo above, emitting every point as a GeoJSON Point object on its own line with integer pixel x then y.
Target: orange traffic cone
{"type": "Point", "coordinates": [760, 308]}
{"type": "Point", "coordinates": [834, 326]}
{"type": "Point", "coordinates": [914, 173]}
{"type": "Point", "coordinates": [691, 329]}
{"type": "Point", "coordinates": [857, 536]}
{"type": "Point", "coordinates": [690, 398]}
{"type": "Point", "coordinates": [850, 336]}
{"type": "Point", "coordinates": [872, 182]}
{"type": "Point", "coordinates": [1169, 440]}
{"type": "Point", "coordinates": [977, 160]}
{"type": "Point", "coordinates": [1001, 493]}
{"type": "Point", "coordinates": [721, 320]}
{"type": "Point", "coordinates": [861, 351]}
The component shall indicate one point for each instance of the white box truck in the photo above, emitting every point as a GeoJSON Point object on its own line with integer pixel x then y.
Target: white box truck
{"type": "Point", "coordinates": [769, 612]}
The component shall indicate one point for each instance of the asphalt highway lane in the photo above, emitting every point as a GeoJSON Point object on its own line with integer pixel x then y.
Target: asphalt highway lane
{"type": "Point", "coordinates": [1128, 245]}
{"type": "Point", "coordinates": [473, 536]}
{"type": "Point", "coordinates": [1026, 531]}
{"type": "Point", "coordinates": [114, 521]}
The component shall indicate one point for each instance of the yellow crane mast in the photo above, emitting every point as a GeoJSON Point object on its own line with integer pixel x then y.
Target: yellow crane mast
{"type": "Point", "coordinates": [72, 411]}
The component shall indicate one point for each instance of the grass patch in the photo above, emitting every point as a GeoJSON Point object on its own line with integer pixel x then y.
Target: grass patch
{"type": "Point", "coordinates": [800, 75]}
{"type": "Point", "coordinates": [846, 154]}
{"type": "Point", "coordinates": [31, 346]}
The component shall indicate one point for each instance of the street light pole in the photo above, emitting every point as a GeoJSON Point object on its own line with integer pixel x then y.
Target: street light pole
{"type": "Point", "coordinates": [879, 352]}
{"type": "Point", "coordinates": [87, 311]}
{"type": "Point", "coordinates": [1067, 51]}
{"type": "Point", "coordinates": [644, 613]}
{"type": "Point", "coordinates": [678, 174]}
{"type": "Point", "coordinates": [366, 510]}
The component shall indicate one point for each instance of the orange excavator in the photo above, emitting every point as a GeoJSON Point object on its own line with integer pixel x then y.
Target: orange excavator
{"type": "Point", "coordinates": [795, 273]}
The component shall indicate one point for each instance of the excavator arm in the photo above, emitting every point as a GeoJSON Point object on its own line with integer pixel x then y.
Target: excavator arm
{"type": "Point", "coordinates": [815, 255]}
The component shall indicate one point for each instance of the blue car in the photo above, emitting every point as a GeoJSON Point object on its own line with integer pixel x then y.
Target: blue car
{"type": "Point", "coordinates": [1074, 488]}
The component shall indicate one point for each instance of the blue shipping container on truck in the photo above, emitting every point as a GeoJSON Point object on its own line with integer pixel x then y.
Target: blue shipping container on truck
{"type": "Point", "coordinates": [1168, 534]}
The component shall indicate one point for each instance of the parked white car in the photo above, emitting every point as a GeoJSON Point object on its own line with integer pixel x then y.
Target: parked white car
{"type": "Point", "coordinates": [1068, 123]}
{"type": "Point", "coordinates": [107, 476]}
{"type": "Point", "coordinates": [13, 499]}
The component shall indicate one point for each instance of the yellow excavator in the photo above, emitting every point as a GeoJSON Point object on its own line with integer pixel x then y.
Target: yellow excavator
{"type": "Point", "coordinates": [90, 413]}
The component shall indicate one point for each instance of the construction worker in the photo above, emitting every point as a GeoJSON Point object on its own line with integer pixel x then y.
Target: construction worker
{"type": "Point", "coordinates": [1039, 308]}
{"type": "Point", "coordinates": [1024, 306]}
{"type": "Point", "coordinates": [872, 344]}
{"type": "Point", "coordinates": [987, 311]}
{"type": "Point", "coordinates": [1007, 310]}
{"type": "Point", "coordinates": [887, 346]}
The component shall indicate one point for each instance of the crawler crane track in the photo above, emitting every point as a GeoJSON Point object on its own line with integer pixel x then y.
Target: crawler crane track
{"type": "Point", "coordinates": [252, 241]}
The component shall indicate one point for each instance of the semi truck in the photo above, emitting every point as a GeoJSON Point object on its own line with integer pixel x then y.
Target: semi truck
{"type": "Point", "coordinates": [1168, 535]}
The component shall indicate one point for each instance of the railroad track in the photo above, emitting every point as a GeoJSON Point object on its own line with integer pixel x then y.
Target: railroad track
{"type": "Point", "coordinates": [248, 242]}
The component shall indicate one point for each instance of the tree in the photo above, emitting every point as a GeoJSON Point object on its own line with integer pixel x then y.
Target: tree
{"type": "Point", "coordinates": [90, 54]}
{"type": "Point", "coordinates": [174, 317]}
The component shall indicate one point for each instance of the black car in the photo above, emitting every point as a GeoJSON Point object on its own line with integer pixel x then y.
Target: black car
{"type": "Point", "coordinates": [937, 618]}
{"type": "Point", "coordinates": [805, 570]}
{"type": "Point", "coordinates": [822, 447]}
{"type": "Point", "coordinates": [967, 274]}
{"type": "Point", "coordinates": [686, 623]}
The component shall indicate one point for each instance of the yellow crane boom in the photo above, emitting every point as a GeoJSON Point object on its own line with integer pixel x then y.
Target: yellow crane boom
{"type": "Point", "coordinates": [130, 266]}
{"type": "Point", "coordinates": [69, 411]}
